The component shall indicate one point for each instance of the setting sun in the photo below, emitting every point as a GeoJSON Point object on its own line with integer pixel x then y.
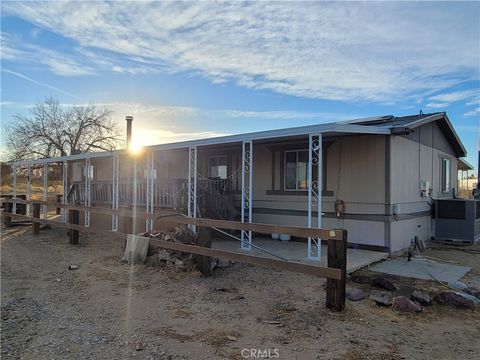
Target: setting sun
{"type": "Point", "coordinates": [136, 147]}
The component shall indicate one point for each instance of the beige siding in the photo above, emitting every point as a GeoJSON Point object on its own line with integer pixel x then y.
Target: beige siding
{"type": "Point", "coordinates": [360, 184]}
{"type": "Point", "coordinates": [411, 162]}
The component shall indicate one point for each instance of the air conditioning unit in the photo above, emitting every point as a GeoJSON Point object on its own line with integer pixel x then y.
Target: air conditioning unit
{"type": "Point", "coordinates": [457, 220]}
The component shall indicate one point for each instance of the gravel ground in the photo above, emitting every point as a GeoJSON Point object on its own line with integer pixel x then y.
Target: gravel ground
{"type": "Point", "coordinates": [108, 310]}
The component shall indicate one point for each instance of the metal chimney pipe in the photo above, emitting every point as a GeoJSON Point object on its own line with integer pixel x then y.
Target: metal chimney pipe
{"type": "Point", "coordinates": [129, 131]}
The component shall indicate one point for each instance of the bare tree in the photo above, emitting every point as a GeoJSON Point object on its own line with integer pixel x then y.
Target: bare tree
{"type": "Point", "coordinates": [52, 130]}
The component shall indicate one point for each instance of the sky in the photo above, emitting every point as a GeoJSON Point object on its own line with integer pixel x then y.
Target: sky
{"type": "Point", "coordinates": [202, 69]}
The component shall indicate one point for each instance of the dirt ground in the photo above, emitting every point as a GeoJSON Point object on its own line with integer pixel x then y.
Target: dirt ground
{"type": "Point", "coordinates": [109, 310]}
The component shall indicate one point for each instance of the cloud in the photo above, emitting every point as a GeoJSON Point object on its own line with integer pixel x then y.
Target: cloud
{"type": "Point", "coordinates": [475, 101]}
{"type": "Point", "coordinates": [455, 96]}
{"type": "Point", "coordinates": [148, 114]}
{"type": "Point", "coordinates": [148, 136]}
{"type": "Point", "coordinates": [58, 63]}
{"type": "Point", "coordinates": [382, 53]}
{"type": "Point", "coordinates": [474, 112]}
{"type": "Point", "coordinates": [22, 76]}
{"type": "Point", "coordinates": [437, 105]}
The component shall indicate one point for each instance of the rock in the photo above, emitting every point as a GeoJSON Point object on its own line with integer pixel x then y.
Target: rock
{"type": "Point", "coordinates": [405, 305]}
{"type": "Point", "coordinates": [179, 264]}
{"type": "Point", "coordinates": [421, 297]}
{"type": "Point", "coordinates": [139, 346]}
{"type": "Point", "coordinates": [184, 235]}
{"type": "Point", "coordinates": [383, 284]}
{"type": "Point", "coordinates": [356, 295]}
{"type": "Point", "coordinates": [382, 298]}
{"type": "Point", "coordinates": [221, 263]}
{"type": "Point", "coordinates": [473, 291]}
{"type": "Point", "coordinates": [159, 259]}
{"type": "Point", "coordinates": [453, 299]}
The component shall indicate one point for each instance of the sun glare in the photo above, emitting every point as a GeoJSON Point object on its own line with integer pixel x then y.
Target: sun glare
{"type": "Point", "coordinates": [135, 148]}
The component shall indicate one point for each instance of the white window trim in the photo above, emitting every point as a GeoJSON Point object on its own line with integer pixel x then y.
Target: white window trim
{"type": "Point", "coordinates": [444, 176]}
{"type": "Point", "coordinates": [217, 156]}
{"type": "Point", "coordinates": [285, 170]}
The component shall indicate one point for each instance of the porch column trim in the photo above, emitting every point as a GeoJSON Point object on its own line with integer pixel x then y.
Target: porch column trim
{"type": "Point", "coordinates": [247, 186]}
{"type": "Point", "coordinates": [14, 187]}
{"type": "Point", "coordinates": [45, 189]}
{"type": "Point", "coordinates": [314, 192]}
{"type": "Point", "coordinates": [150, 176]}
{"type": "Point", "coordinates": [88, 199]}
{"type": "Point", "coordinates": [115, 174]}
{"type": "Point", "coordinates": [192, 184]}
{"type": "Point", "coordinates": [29, 188]}
{"type": "Point", "coordinates": [65, 190]}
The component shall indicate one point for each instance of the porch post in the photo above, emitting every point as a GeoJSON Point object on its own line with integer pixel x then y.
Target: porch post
{"type": "Point", "coordinates": [247, 176]}
{"type": "Point", "coordinates": [45, 189]}
{"type": "Point", "coordinates": [65, 190]}
{"type": "Point", "coordinates": [115, 192]}
{"type": "Point", "coordinates": [192, 185]}
{"type": "Point", "coordinates": [14, 187]}
{"type": "Point", "coordinates": [314, 192]}
{"type": "Point", "coordinates": [150, 175]}
{"type": "Point", "coordinates": [88, 199]}
{"type": "Point", "coordinates": [29, 187]}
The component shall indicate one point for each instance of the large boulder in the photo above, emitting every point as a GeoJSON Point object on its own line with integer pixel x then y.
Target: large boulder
{"type": "Point", "coordinates": [405, 305]}
{"type": "Point", "coordinates": [421, 297]}
{"type": "Point", "coordinates": [453, 299]}
{"type": "Point", "coordinates": [383, 284]}
{"type": "Point", "coordinates": [381, 298]}
{"type": "Point", "coordinates": [356, 295]}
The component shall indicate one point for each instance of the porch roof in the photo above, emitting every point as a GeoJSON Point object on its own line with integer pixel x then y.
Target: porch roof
{"type": "Point", "coordinates": [327, 129]}
{"type": "Point", "coordinates": [464, 165]}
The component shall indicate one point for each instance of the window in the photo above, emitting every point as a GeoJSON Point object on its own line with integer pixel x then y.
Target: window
{"type": "Point", "coordinates": [445, 175]}
{"type": "Point", "coordinates": [218, 166]}
{"type": "Point", "coordinates": [84, 172]}
{"type": "Point", "coordinates": [296, 170]}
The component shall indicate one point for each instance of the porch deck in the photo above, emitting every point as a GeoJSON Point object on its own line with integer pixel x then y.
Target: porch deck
{"type": "Point", "coordinates": [297, 251]}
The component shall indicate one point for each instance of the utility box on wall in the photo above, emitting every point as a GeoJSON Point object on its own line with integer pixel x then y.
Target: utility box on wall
{"type": "Point", "coordinates": [457, 220]}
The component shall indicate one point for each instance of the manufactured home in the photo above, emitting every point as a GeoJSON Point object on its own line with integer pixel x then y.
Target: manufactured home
{"type": "Point", "coordinates": [376, 177]}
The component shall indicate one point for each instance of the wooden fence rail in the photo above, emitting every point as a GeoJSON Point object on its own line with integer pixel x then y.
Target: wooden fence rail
{"type": "Point", "coordinates": [335, 271]}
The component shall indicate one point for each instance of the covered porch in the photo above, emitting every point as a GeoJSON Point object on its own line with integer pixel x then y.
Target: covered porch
{"type": "Point", "coordinates": [276, 177]}
{"type": "Point", "coordinates": [295, 251]}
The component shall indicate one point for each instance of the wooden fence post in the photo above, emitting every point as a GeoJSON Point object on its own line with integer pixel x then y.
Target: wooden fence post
{"type": "Point", "coordinates": [73, 218]}
{"type": "Point", "coordinates": [204, 262]}
{"type": "Point", "coordinates": [59, 201]}
{"type": "Point", "coordinates": [8, 210]}
{"type": "Point", "coordinates": [337, 258]}
{"type": "Point", "coordinates": [36, 214]}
